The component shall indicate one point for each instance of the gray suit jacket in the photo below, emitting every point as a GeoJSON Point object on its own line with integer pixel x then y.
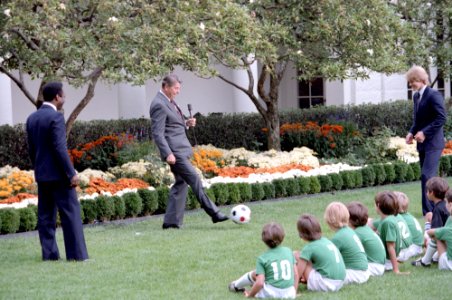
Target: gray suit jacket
{"type": "Point", "coordinates": [168, 129]}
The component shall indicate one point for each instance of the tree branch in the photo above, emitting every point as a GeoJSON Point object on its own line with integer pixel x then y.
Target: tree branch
{"type": "Point", "coordinates": [19, 83]}
{"type": "Point", "coordinates": [32, 45]}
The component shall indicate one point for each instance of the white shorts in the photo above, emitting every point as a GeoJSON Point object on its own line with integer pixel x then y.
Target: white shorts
{"type": "Point", "coordinates": [356, 276]}
{"type": "Point", "coordinates": [376, 269]}
{"type": "Point", "coordinates": [444, 263]}
{"type": "Point", "coordinates": [318, 283]}
{"type": "Point", "coordinates": [269, 291]}
{"type": "Point", "coordinates": [411, 251]}
{"type": "Point", "coordinates": [388, 265]}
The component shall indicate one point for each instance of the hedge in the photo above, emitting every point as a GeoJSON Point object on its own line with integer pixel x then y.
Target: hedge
{"type": "Point", "coordinates": [147, 202]}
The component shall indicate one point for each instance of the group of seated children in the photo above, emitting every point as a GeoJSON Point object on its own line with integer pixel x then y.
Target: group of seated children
{"type": "Point", "coordinates": [360, 248]}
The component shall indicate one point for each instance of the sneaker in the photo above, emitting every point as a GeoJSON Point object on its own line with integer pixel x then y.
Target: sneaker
{"type": "Point", "coordinates": [419, 263]}
{"type": "Point", "coordinates": [234, 289]}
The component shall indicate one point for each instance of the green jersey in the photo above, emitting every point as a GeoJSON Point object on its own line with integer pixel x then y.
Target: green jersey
{"type": "Point", "coordinates": [415, 228]}
{"type": "Point", "coordinates": [445, 234]}
{"type": "Point", "coordinates": [389, 232]}
{"type": "Point", "coordinates": [375, 250]}
{"type": "Point", "coordinates": [325, 258]}
{"type": "Point", "coordinates": [351, 248]}
{"type": "Point", "coordinates": [277, 264]}
{"type": "Point", "coordinates": [405, 234]}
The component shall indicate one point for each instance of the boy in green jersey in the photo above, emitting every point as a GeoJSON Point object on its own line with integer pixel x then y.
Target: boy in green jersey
{"type": "Point", "coordinates": [319, 263]}
{"type": "Point", "coordinates": [443, 237]}
{"type": "Point", "coordinates": [414, 228]}
{"type": "Point", "coordinates": [275, 275]}
{"type": "Point", "coordinates": [375, 250]}
{"type": "Point", "coordinates": [349, 245]}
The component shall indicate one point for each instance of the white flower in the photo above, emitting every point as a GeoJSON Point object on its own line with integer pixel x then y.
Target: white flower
{"type": "Point", "coordinates": [368, 22]}
{"type": "Point", "coordinates": [7, 12]}
{"type": "Point", "coordinates": [62, 6]}
{"type": "Point", "coordinates": [112, 19]}
{"type": "Point", "coordinates": [299, 52]}
{"type": "Point", "coordinates": [217, 14]}
{"type": "Point", "coordinates": [370, 51]}
{"type": "Point", "coordinates": [202, 26]}
{"type": "Point", "coordinates": [251, 1]}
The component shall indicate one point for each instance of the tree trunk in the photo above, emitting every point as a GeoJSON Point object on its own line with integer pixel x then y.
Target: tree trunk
{"type": "Point", "coordinates": [84, 102]}
{"type": "Point", "coordinates": [272, 122]}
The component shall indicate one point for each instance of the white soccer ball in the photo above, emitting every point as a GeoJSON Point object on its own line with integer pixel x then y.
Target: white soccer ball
{"type": "Point", "coordinates": [241, 214]}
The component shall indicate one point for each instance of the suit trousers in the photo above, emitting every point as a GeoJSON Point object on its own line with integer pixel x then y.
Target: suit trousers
{"type": "Point", "coordinates": [185, 175]}
{"type": "Point", "coordinates": [59, 195]}
{"type": "Point", "coordinates": [429, 161]}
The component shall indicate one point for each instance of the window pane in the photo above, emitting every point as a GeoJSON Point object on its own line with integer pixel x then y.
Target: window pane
{"type": "Point", "coordinates": [303, 88]}
{"type": "Point", "coordinates": [304, 103]}
{"type": "Point", "coordinates": [317, 87]}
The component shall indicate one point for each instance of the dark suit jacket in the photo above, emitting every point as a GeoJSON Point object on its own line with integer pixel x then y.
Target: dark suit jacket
{"type": "Point", "coordinates": [430, 117]}
{"type": "Point", "coordinates": [47, 145]}
{"type": "Point", "coordinates": [168, 129]}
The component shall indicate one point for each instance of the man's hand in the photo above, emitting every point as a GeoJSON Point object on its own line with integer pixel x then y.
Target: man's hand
{"type": "Point", "coordinates": [191, 122]}
{"type": "Point", "coordinates": [419, 137]}
{"type": "Point", "coordinates": [171, 159]}
{"type": "Point", "coordinates": [409, 138]}
{"type": "Point", "coordinates": [75, 181]}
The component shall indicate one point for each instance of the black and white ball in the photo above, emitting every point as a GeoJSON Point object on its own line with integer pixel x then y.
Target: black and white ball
{"type": "Point", "coordinates": [241, 214]}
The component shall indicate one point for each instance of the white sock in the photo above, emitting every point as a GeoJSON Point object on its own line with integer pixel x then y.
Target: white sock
{"type": "Point", "coordinates": [245, 280]}
{"type": "Point", "coordinates": [431, 249]}
{"type": "Point", "coordinates": [435, 256]}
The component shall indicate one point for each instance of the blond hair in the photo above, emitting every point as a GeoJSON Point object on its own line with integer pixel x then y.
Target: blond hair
{"type": "Point", "coordinates": [417, 73]}
{"type": "Point", "coordinates": [403, 201]}
{"type": "Point", "coordinates": [336, 215]}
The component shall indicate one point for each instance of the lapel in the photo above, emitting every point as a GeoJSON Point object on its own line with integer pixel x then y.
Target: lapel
{"type": "Point", "coordinates": [422, 100]}
{"type": "Point", "coordinates": [171, 108]}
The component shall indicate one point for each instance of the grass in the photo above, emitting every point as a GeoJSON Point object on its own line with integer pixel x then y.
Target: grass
{"type": "Point", "coordinates": [142, 261]}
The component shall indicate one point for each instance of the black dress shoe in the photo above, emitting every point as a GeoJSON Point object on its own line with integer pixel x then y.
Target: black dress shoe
{"type": "Point", "coordinates": [167, 226]}
{"type": "Point", "coordinates": [219, 217]}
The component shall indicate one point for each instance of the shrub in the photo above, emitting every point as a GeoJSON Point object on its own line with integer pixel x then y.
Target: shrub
{"type": "Point", "coordinates": [133, 204]}
{"type": "Point", "coordinates": [269, 190]}
{"type": "Point", "coordinates": [105, 208]}
{"type": "Point", "coordinates": [293, 187]}
{"type": "Point", "coordinates": [400, 169]}
{"type": "Point", "coordinates": [120, 207]}
{"type": "Point", "coordinates": [150, 200]}
{"type": "Point", "coordinates": [444, 165]}
{"type": "Point", "coordinates": [246, 194]}
{"type": "Point", "coordinates": [326, 184]}
{"type": "Point", "coordinates": [221, 193]}
{"type": "Point", "coordinates": [191, 203]}
{"type": "Point", "coordinates": [10, 220]}
{"type": "Point", "coordinates": [257, 191]}
{"type": "Point", "coordinates": [337, 181]}
{"type": "Point", "coordinates": [234, 193]}
{"type": "Point", "coordinates": [380, 174]}
{"type": "Point", "coordinates": [280, 187]}
{"type": "Point", "coordinates": [368, 176]}
{"type": "Point", "coordinates": [348, 179]}
{"type": "Point", "coordinates": [163, 193]}
{"type": "Point", "coordinates": [409, 173]}
{"type": "Point", "coordinates": [416, 170]}
{"type": "Point", "coordinates": [28, 219]}
{"type": "Point", "coordinates": [390, 173]}
{"type": "Point", "coordinates": [210, 193]}
{"type": "Point", "coordinates": [358, 178]}
{"type": "Point", "coordinates": [89, 210]}
{"type": "Point", "coordinates": [314, 185]}
{"type": "Point", "coordinates": [305, 184]}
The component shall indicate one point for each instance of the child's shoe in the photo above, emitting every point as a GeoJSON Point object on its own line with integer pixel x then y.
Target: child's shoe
{"type": "Point", "coordinates": [234, 289]}
{"type": "Point", "coordinates": [419, 263]}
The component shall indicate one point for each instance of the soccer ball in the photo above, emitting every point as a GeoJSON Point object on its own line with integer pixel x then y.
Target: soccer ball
{"type": "Point", "coordinates": [240, 214]}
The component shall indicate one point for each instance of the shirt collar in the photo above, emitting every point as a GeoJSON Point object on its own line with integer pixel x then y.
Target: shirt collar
{"type": "Point", "coordinates": [421, 91]}
{"type": "Point", "coordinates": [165, 95]}
{"type": "Point", "coordinates": [50, 104]}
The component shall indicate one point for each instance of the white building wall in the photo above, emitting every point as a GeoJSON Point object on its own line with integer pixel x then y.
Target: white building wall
{"type": "Point", "coordinates": [6, 105]}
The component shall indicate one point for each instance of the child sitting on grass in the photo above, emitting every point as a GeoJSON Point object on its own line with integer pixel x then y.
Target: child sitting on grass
{"type": "Point", "coordinates": [275, 275]}
{"type": "Point", "coordinates": [320, 264]}
{"type": "Point", "coordinates": [386, 205]}
{"type": "Point", "coordinates": [437, 188]}
{"type": "Point", "coordinates": [443, 237]}
{"type": "Point", "coordinates": [375, 250]}
{"type": "Point", "coordinates": [414, 228]}
{"type": "Point", "coordinates": [349, 245]}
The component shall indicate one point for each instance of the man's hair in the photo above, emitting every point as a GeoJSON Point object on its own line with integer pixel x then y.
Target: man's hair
{"type": "Point", "coordinates": [358, 213]}
{"type": "Point", "coordinates": [309, 228]}
{"type": "Point", "coordinates": [336, 215]}
{"type": "Point", "coordinates": [417, 73]}
{"type": "Point", "coordinates": [438, 186]}
{"type": "Point", "coordinates": [272, 234]}
{"type": "Point", "coordinates": [170, 80]}
{"type": "Point", "coordinates": [51, 89]}
{"type": "Point", "coordinates": [387, 202]}
{"type": "Point", "coordinates": [403, 201]}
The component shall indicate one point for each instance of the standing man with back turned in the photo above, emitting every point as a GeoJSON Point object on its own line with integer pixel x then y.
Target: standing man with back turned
{"type": "Point", "coordinates": [56, 177]}
{"type": "Point", "coordinates": [168, 131]}
{"type": "Point", "coordinates": [429, 117]}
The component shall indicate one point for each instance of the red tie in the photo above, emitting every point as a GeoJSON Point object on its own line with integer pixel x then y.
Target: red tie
{"type": "Point", "coordinates": [178, 109]}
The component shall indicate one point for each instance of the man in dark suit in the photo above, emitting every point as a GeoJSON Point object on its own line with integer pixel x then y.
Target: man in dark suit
{"type": "Point", "coordinates": [429, 117]}
{"type": "Point", "coordinates": [169, 133]}
{"type": "Point", "coordinates": [56, 177]}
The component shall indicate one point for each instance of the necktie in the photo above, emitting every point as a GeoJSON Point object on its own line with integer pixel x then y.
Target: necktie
{"type": "Point", "coordinates": [177, 109]}
{"type": "Point", "coordinates": [416, 99]}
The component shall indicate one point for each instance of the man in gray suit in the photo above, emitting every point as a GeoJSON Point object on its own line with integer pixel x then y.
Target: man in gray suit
{"type": "Point", "coordinates": [169, 127]}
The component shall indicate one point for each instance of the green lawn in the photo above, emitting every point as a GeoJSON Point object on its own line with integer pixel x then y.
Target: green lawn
{"type": "Point", "coordinates": [141, 261]}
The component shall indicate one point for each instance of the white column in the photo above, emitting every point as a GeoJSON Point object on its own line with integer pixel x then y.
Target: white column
{"type": "Point", "coordinates": [6, 101]}
{"type": "Point", "coordinates": [132, 101]}
{"type": "Point", "coordinates": [242, 102]}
